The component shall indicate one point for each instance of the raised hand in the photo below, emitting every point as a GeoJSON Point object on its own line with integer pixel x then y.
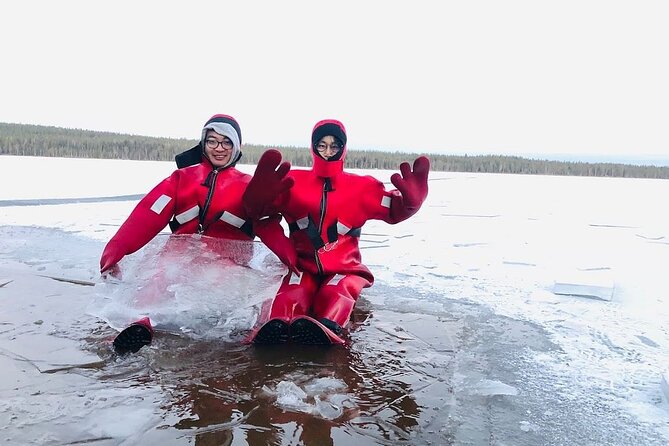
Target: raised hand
{"type": "Point", "coordinates": [268, 182]}
{"type": "Point", "coordinates": [412, 184]}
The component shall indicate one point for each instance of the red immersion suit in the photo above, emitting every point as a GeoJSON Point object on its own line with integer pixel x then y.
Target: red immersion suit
{"type": "Point", "coordinates": [326, 209]}
{"type": "Point", "coordinates": [195, 199]}
{"type": "Point", "coordinates": [198, 198]}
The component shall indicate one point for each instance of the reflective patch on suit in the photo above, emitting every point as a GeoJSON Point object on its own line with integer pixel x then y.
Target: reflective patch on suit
{"type": "Point", "coordinates": [342, 229]}
{"type": "Point", "coordinates": [232, 219]}
{"type": "Point", "coordinates": [335, 279]}
{"type": "Point", "coordinates": [159, 205]}
{"type": "Point", "coordinates": [385, 201]}
{"type": "Point", "coordinates": [295, 279]}
{"type": "Point", "coordinates": [328, 247]}
{"type": "Point", "coordinates": [302, 223]}
{"type": "Point", "coordinates": [188, 215]}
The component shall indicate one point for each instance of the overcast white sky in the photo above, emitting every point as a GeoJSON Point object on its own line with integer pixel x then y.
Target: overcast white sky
{"type": "Point", "coordinates": [509, 77]}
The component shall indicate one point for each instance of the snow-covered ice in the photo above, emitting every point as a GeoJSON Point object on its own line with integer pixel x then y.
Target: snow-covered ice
{"type": "Point", "coordinates": [481, 320]}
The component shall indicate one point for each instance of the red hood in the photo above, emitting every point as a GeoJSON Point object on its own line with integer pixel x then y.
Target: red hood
{"type": "Point", "coordinates": [322, 167]}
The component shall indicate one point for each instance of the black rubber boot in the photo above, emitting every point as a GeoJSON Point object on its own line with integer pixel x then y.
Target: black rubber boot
{"type": "Point", "coordinates": [333, 326]}
{"type": "Point", "coordinates": [275, 331]}
{"type": "Point", "coordinates": [132, 338]}
{"type": "Point", "coordinates": [306, 331]}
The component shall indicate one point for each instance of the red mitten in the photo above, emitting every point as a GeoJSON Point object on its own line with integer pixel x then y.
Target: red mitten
{"type": "Point", "coordinates": [112, 254]}
{"type": "Point", "coordinates": [412, 186]}
{"type": "Point", "coordinates": [270, 231]}
{"type": "Point", "coordinates": [113, 272]}
{"type": "Point", "coordinates": [268, 182]}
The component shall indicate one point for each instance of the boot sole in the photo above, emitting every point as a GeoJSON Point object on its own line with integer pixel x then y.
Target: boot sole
{"type": "Point", "coordinates": [131, 339]}
{"type": "Point", "coordinates": [307, 331]}
{"type": "Point", "coordinates": [273, 332]}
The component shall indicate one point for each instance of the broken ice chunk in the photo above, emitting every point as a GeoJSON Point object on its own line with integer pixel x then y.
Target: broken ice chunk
{"type": "Point", "coordinates": [595, 284]}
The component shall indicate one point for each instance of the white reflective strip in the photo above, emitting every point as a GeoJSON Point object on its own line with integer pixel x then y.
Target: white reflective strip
{"type": "Point", "coordinates": [188, 215]}
{"type": "Point", "coordinates": [335, 280]}
{"type": "Point", "coordinates": [342, 229]}
{"type": "Point", "coordinates": [302, 223]}
{"type": "Point", "coordinates": [160, 203]}
{"type": "Point", "coordinates": [232, 219]}
{"type": "Point", "coordinates": [295, 279]}
{"type": "Point", "coordinates": [385, 201]}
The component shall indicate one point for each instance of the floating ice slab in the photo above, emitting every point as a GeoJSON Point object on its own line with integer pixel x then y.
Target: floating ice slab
{"type": "Point", "coordinates": [665, 384]}
{"type": "Point", "coordinates": [593, 283]}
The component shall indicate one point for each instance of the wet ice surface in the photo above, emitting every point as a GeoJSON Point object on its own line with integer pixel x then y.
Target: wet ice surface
{"type": "Point", "coordinates": [198, 286]}
{"type": "Point", "coordinates": [461, 340]}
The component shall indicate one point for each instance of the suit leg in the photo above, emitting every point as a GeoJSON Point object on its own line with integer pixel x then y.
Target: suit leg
{"type": "Point", "coordinates": [294, 297]}
{"type": "Point", "coordinates": [336, 298]}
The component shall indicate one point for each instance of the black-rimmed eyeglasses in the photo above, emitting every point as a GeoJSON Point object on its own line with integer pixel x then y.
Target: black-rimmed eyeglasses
{"type": "Point", "coordinates": [213, 144]}
{"type": "Point", "coordinates": [322, 147]}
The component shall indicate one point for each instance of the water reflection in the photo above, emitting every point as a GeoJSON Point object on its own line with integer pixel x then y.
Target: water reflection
{"type": "Point", "coordinates": [227, 393]}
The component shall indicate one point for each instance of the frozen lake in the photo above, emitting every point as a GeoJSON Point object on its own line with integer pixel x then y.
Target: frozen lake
{"type": "Point", "coordinates": [511, 309]}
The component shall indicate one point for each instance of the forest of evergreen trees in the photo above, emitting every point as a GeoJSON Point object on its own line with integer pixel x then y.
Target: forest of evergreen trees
{"type": "Point", "coordinates": [36, 140]}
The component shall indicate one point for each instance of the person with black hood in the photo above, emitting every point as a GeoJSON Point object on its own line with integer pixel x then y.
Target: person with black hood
{"type": "Point", "coordinates": [325, 208]}
{"type": "Point", "coordinates": [203, 196]}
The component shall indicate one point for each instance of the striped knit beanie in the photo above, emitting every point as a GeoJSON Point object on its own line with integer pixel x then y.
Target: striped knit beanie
{"type": "Point", "coordinates": [227, 126]}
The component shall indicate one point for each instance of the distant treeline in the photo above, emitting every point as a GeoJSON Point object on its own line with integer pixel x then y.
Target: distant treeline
{"type": "Point", "coordinates": [36, 140]}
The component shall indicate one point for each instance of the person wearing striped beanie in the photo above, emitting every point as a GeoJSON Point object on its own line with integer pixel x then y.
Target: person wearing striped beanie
{"type": "Point", "coordinates": [203, 196]}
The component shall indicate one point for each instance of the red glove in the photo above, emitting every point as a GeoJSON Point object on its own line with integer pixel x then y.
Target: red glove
{"type": "Point", "coordinates": [412, 187]}
{"type": "Point", "coordinates": [271, 233]}
{"type": "Point", "coordinates": [268, 182]}
{"type": "Point", "coordinates": [113, 272]}
{"type": "Point", "coordinates": [112, 254]}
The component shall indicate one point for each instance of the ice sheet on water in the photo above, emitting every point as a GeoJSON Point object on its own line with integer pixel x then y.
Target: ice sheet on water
{"type": "Point", "coordinates": [665, 384]}
{"type": "Point", "coordinates": [324, 384]}
{"type": "Point", "coordinates": [474, 385]}
{"type": "Point", "coordinates": [493, 387]}
{"type": "Point", "coordinates": [292, 397]}
{"type": "Point", "coordinates": [199, 286]}
{"type": "Point", "coordinates": [593, 283]}
{"type": "Point", "coordinates": [317, 397]}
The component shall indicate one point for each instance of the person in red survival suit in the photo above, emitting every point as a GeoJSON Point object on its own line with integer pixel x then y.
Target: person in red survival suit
{"type": "Point", "coordinates": [325, 209]}
{"type": "Point", "coordinates": [202, 196]}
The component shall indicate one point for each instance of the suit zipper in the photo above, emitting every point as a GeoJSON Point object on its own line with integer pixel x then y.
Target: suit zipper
{"type": "Point", "coordinates": [210, 195]}
{"type": "Point", "coordinates": [324, 201]}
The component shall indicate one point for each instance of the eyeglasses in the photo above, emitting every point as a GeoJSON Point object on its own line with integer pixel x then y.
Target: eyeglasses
{"type": "Point", "coordinates": [322, 147]}
{"type": "Point", "coordinates": [211, 143]}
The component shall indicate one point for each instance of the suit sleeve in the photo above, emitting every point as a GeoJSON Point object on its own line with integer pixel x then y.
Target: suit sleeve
{"type": "Point", "coordinates": [149, 217]}
{"type": "Point", "coordinates": [389, 206]}
{"type": "Point", "coordinates": [271, 233]}
{"type": "Point", "coordinates": [380, 204]}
